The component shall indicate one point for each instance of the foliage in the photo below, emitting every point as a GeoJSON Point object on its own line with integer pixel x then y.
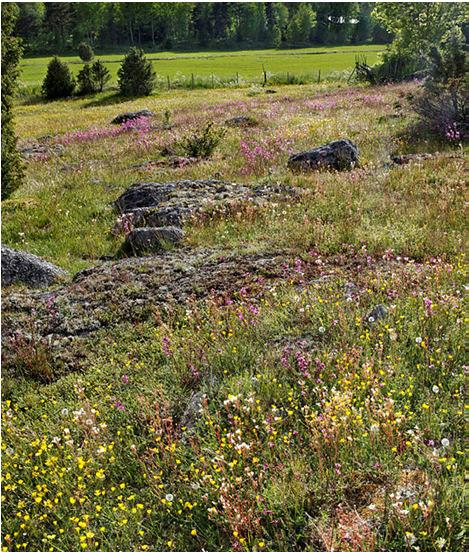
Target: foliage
{"type": "Point", "coordinates": [136, 74]}
{"type": "Point", "coordinates": [301, 24]}
{"type": "Point", "coordinates": [417, 26]}
{"type": "Point", "coordinates": [394, 67]}
{"type": "Point", "coordinates": [59, 82]}
{"type": "Point", "coordinates": [443, 104]}
{"type": "Point", "coordinates": [58, 26]}
{"type": "Point", "coordinates": [12, 170]}
{"type": "Point", "coordinates": [202, 144]}
{"type": "Point", "coordinates": [85, 51]}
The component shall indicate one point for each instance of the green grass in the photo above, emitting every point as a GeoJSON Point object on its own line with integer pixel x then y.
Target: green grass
{"type": "Point", "coordinates": [248, 64]}
{"type": "Point", "coordinates": [318, 429]}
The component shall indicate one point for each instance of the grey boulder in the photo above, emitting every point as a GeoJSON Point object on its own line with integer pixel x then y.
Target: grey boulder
{"type": "Point", "coordinates": [131, 115]}
{"type": "Point", "coordinates": [339, 155]}
{"type": "Point", "coordinates": [147, 241]}
{"type": "Point", "coordinates": [19, 267]}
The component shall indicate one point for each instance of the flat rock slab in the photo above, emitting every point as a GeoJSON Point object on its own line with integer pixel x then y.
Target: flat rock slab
{"type": "Point", "coordinates": [339, 155]}
{"type": "Point", "coordinates": [31, 151]}
{"type": "Point", "coordinates": [19, 267]}
{"type": "Point", "coordinates": [147, 241]}
{"type": "Point", "coordinates": [131, 115]}
{"type": "Point", "coordinates": [173, 202]}
{"type": "Point", "coordinates": [66, 320]}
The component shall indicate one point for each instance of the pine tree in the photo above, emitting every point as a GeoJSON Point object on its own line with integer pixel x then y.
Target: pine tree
{"type": "Point", "coordinates": [59, 82]}
{"type": "Point", "coordinates": [12, 169]}
{"type": "Point", "coordinates": [136, 74]}
{"type": "Point", "coordinates": [101, 75]}
{"type": "Point", "coordinates": [85, 81]}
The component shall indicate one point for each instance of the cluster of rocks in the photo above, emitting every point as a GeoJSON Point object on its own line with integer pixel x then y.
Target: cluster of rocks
{"type": "Point", "coordinates": [156, 211]}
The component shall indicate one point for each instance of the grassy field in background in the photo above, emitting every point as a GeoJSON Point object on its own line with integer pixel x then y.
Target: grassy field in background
{"type": "Point", "coordinates": [248, 64]}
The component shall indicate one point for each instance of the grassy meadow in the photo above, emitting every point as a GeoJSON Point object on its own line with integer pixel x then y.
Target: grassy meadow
{"type": "Point", "coordinates": [317, 427]}
{"type": "Point", "coordinates": [244, 65]}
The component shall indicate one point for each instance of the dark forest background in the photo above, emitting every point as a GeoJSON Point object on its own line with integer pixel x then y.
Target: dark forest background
{"type": "Point", "coordinates": [58, 27]}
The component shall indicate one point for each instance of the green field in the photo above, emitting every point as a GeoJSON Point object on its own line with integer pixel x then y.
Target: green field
{"type": "Point", "coordinates": [248, 64]}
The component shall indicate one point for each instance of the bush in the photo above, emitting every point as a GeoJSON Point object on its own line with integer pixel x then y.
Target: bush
{"type": "Point", "coordinates": [203, 144]}
{"type": "Point", "coordinates": [395, 67]}
{"type": "Point", "coordinates": [136, 74]}
{"type": "Point", "coordinates": [101, 75]}
{"type": "Point", "coordinates": [443, 103]}
{"type": "Point", "coordinates": [12, 169]}
{"type": "Point", "coordinates": [85, 51]}
{"type": "Point", "coordinates": [59, 82]}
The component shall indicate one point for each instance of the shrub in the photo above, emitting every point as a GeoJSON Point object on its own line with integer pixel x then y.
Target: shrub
{"type": "Point", "coordinates": [395, 67]}
{"type": "Point", "coordinates": [203, 144]}
{"type": "Point", "coordinates": [59, 82]}
{"type": "Point", "coordinates": [101, 75]}
{"type": "Point", "coordinates": [136, 74]}
{"type": "Point", "coordinates": [12, 170]}
{"type": "Point", "coordinates": [443, 104]}
{"type": "Point", "coordinates": [85, 51]}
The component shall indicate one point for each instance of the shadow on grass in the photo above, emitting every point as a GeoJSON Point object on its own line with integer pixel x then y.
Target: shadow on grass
{"type": "Point", "coordinates": [111, 99]}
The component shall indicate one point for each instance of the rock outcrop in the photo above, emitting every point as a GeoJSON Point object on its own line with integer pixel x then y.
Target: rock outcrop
{"type": "Point", "coordinates": [339, 155]}
{"type": "Point", "coordinates": [19, 267]}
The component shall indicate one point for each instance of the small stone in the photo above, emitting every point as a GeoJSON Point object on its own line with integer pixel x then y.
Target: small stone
{"type": "Point", "coordinates": [146, 241]}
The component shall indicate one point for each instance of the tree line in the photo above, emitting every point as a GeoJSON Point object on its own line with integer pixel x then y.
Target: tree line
{"type": "Point", "coordinates": [58, 27]}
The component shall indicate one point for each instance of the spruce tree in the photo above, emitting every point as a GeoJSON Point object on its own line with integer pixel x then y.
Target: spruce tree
{"type": "Point", "coordinates": [136, 74]}
{"type": "Point", "coordinates": [12, 169]}
{"type": "Point", "coordinates": [59, 82]}
{"type": "Point", "coordinates": [101, 75]}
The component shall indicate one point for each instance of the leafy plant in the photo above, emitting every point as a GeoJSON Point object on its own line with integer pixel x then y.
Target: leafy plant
{"type": "Point", "coordinates": [85, 51]}
{"type": "Point", "coordinates": [202, 144]}
{"type": "Point", "coordinates": [59, 82]}
{"type": "Point", "coordinates": [136, 74]}
{"type": "Point", "coordinates": [12, 170]}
